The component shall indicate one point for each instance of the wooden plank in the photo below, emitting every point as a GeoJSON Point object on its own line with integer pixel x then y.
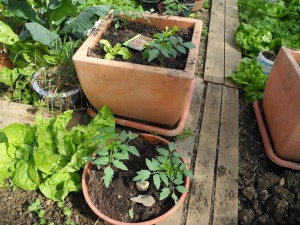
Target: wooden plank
{"type": "Point", "coordinates": [11, 112]}
{"type": "Point", "coordinates": [17, 110]}
{"type": "Point", "coordinates": [214, 65]}
{"type": "Point", "coordinates": [187, 144]}
{"type": "Point", "coordinates": [226, 195]}
{"type": "Point", "coordinates": [232, 54]}
{"type": "Point", "coordinates": [199, 207]}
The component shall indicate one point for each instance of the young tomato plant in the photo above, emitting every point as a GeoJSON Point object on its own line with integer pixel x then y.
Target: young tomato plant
{"type": "Point", "coordinates": [166, 45]}
{"type": "Point", "coordinates": [113, 51]}
{"type": "Point", "coordinates": [168, 170]}
{"type": "Point", "coordinates": [174, 8]}
{"type": "Point", "coordinates": [113, 150]}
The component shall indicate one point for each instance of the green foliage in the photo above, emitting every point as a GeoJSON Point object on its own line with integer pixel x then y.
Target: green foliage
{"type": "Point", "coordinates": [37, 208]}
{"type": "Point", "coordinates": [187, 132]}
{"type": "Point", "coordinates": [206, 4]}
{"type": "Point", "coordinates": [168, 172]}
{"type": "Point", "coordinates": [174, 7]}
{"type": "Point", "coordinates": [204, 32]}
{"type": "Point", "coordinates": [166, 45]}
{"type": "Point", "coordinates": [249, 74]}
{"type": "Point", "coordinates": [113, 51]}
{"type": "Point", "coordinates": [113, 150]}
{"type": "Point", "coordinates": [46, 20]}
{"type": "Point", "coordinates": [67, 212]}
{"type": "Point", "coordinates": [253, 40]}
{"type": "Point", "coordinates": [23, 154]}
{"type": "Point", "coordinates": [7, 36]}
{"type": "Point", "coordinates": [268, 25]}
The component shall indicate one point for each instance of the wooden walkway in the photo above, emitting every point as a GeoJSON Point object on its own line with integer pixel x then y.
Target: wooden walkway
{"type": "Point", "coordinates": [212, 149]}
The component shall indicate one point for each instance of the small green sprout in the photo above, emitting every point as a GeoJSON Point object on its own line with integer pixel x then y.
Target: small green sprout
{"type": "Point", "coordinates": [37, 207]}
{"type": "Point", "coordinates": [112, 52]}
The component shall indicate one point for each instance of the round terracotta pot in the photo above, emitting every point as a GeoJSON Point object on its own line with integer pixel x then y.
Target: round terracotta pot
{"type": "Point", "coordinates": [155, 140]}
{"type": "Point", "coordinates": [5, 62]}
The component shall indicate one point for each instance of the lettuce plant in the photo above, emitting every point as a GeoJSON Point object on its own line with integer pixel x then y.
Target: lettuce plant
{"type": "Point", "coordinates": [113, 149]}
{"type": "Point", "coordinates": [113, 51]}
{"type": "Point", "coordinates": [167, 171]}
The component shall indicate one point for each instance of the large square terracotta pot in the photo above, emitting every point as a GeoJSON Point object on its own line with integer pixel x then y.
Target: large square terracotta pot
{"type": "Point", "coordinates": [147, 93]}
{"type": "Point", "coordinates": [282, 104]}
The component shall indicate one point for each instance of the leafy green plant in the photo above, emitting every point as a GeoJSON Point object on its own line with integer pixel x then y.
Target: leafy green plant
{"type": "Point", "coordinates": [113, 149]}
{"type": "Point", "coordinates": [249, 74]}
{"type": "Point", "coordinates": [204, 32]}
{"type": "Point", "coordinates": [267, 25]}
{"type": "Point", "coordinates": [166, 45]}
{"type": "Point", "coordinates": [167, 171]}
{"type": "Point", "coordinates": [187, 132]}
{"type": "Point", "coordinates": [173, 7]}
{"type": "Point", "coordinates": [37, 208]}
{"type": "Point", "coordinates": [205, 4]}
{"type": "Point", "coordinates": [47, 20]}
{"type": "Point", "coordinates": [67, 212]}
{"type": "Point", "coordinates": [113, 51]}
{"type": "Point", "coordinates": [23, 154]}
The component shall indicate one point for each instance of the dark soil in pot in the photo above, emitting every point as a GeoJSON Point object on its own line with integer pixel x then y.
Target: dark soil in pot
{"type": "Point", "coordinates": [123, 34]}
{"type": "Point", "coordinates": [115, 202]}
{"type": "Point", "coordinates": [269, 55]}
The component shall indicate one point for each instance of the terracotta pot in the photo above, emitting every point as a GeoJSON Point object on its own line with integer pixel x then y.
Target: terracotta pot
{"type": "Point", "coordinates": [155, 140]}
{"type": "Point", "coordinates": [147, 93]}
{"type": "Point", "coordinates": [258, 109]}
{"type": "Point", "coordinates": [282, 106]}
{"type": "Point", "coordinates": [198, 5]}
{"type": "Point", "coordinates": [5, 62]}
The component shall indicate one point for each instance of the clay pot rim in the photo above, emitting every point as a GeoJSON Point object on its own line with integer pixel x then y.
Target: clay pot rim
{"type": "Point", "coordinates": [86, 171]}
{"type": "Point", "coordinates": [95, 36]}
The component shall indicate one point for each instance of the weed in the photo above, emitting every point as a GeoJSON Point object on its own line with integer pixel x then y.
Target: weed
{"type": "Point", "coordinates": [187, 132]}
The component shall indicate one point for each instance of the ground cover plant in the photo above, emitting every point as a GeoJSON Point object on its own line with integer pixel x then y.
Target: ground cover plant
{"type": "Point", "coordinates": [264, 25]}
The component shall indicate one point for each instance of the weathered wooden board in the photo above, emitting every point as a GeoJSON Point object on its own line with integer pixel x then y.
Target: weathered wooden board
{"type": "Point", "coordinates": [226, 195]}
{"type": "Point", "coordinates": [200, 204]}
{"type": "Point", "coordinates": [214, 66]}
{"type": "Point", "coordinates": [187, 144]}
{"type": "Point", "coordinates": [12, 112]}
{"type": "Point", "coordinates": [232, 54]}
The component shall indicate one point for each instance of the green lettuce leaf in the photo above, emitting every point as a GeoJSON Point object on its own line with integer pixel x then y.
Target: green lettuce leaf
{"type": "Point", "coordinates": [58, 186]}
{"type": "Point", "coordinates": [18, 135]}
{"type": "Point", "coordinates": [26, 175]}
{"type": "Point", "coordinates": [7, 36]}
{"type": "Point", "coordinates": [6, 163]}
